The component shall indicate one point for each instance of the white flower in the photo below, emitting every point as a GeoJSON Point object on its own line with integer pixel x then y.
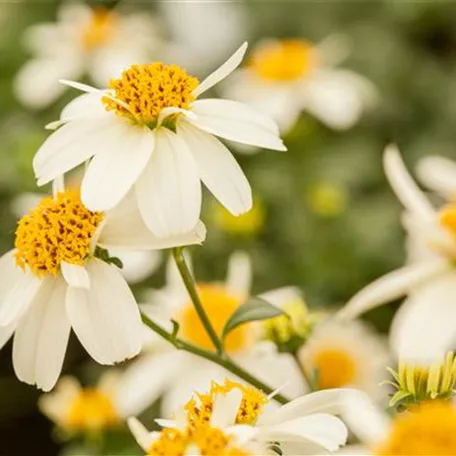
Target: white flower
{"type": "Point", "coordinates": [175, 374]}
{"type": "Point", "coordinates": [137, 265]}
{"type": "Point", "coordinates": [285, 77]}
{"type": "Point", "coordinates": [306, 425]}
{"type": "Point", "coordinates": [348, 354]}
{"type": "Point", "coordinates": [149, 132]}
{"type": "Point", "coordinates": [75, 409]}
{"type": "Point", "coordinates": [55, 279]}
{"type": "Point", "coordinates": [429, 428]}
{"type": "Point", "coordinates": [425, 326]}
{"type": "Point", "coordinates": [94, 41]}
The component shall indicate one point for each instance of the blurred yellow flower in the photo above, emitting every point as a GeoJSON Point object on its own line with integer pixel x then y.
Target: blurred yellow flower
{"type": "Point", "coordinates": [327, 199]}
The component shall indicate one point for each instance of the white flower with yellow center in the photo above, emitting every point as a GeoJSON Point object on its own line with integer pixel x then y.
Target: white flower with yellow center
{"type": "Point", "coordinates": [348, 354]}
{"type": "Point", "coordinates": [76, 409]}
{"type": "Point", "coordinates": [285, 77]}
{"type": "Point", "coordinates": [176, 374]}
{"type": "Point", "coordinates": [304, 426]}
{"type": "Point", "coordinates": [137, 265]}
{"type": "Point", "coordinates": [60, 275]}
{"type": "Point", "coordinates": [149, 131]}
{"type": "Point", "coordinates": [426, 429]}
{"type": "Point", "coordinates": [95, 41]}
{"type": "Point", "coordinates": [425, 326]}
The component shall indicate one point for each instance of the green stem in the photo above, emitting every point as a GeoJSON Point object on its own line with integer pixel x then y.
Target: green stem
{"type": "Point", "coordinates": [226, 363]}
{"type": "Point", "coordinates": [190, 286]}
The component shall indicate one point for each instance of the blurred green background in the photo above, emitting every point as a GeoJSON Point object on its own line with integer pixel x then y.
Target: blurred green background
{"type": "Point", "coordinates": [331, 223]}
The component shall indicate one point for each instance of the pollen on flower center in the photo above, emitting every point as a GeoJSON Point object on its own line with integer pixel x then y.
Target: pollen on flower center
{"type": "Point", "coordinates": [100, 28]}
{"type": "Point", "coordinates": [149, 88]}
{"type": "Point", "coordinates": [219, 304]}
{"type": "Point", "coordinates": [428, 429]}
{"type": "Point", "coordinates": [59, 229]}
{"type": "Point", "coordinates": [286, 60]}
{"type": "Point", "coordinates": [199, 409]}
{"type": "Point", "coordinates": [205, 440]}
{"type": "Point", "coordinates": [335, 368]}
{"type": "Point", "coordinates": [91, 410]}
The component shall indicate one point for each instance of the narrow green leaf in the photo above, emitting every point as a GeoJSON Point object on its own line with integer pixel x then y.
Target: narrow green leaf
{"type": "Point", "coordinates": [253, 310]}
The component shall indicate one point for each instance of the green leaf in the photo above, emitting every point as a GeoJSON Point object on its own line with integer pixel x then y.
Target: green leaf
{"type": "Point", "coordinates": [253, 310]}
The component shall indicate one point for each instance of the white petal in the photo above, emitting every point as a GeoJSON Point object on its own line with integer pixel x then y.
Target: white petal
{"type": "Point", "coordinates": [5, 333]}
{"type": "Point", "coordinates": [218, 169]}
{"type": "Point", "coordinates": [75, 275]}
{"type": "Point", "coordinates": [83, 107]}
{"type": "Point", "coordinates": [42, 336]}
{"type": "Point", "coordinates": [141, 434]}
{"type": "Point", "coordinates": [392, 286]}
{"type": "Point", "coordinates": [145, 381]}
{"type": "Point", "coordinates": [105, 318]}
{"type": "Point", "coordinates": [404, 186]}
{"type": "Point", "coordinates": [138, 265]}
{"type": "Point", "coordinates": [424, 328]}
{"type": "Point", "coordinates": [111, 175]}
{"type": "Point", "coordinates": [438, 174]}
{"type": "Point", "coordinates": [125, 229]}
{"type": "Point", "coordinates": [237, 122]}
{"type": "Point", "coordinates": [169, 190]}
{"type": "Point", "coordinates": [17, 289]}
{"type": "Point", "coordinates": [36, 83]}
{"type": "Point", "coordinates": [75, 143]}
{"type": "Point", "coordinates": [281, 296]}
{"type": "Point", "coordinates": [223, 71]}
{"type": "Point", "coordinates": [239, 277]}
{"type": "Point", "coordinates": [324, 430]}
{"type": "Point", "coordinates": [79, 86]}
{"type": "Point", "coordinates": [225, 408]}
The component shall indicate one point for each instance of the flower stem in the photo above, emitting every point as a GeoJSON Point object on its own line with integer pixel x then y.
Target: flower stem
{"type": "Point", "coordinates": [224, 362]}
{"type": "Point", "coordinates": [191, 288]}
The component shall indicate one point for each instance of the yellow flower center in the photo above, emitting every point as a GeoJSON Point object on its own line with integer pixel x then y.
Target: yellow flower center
{"type": "Point", "coordinates": [249, 223]}
{"type": "Point", "coordinates": [199, 409]}
{"type": "Point", "coordinates": [206, 441]}
{"type": "Point", "coordinates": [335, 368]}
{"type": "Point", "coordinates": [219, 305]}
{"type": "Point", "coordinates": [92, 410]}
{"type": "Point", "coordinates": [149, 88]}
{"type": "Point", "coordinates": [448, 218]}
{"type": "Point", "coordinates": [286, 60]}
{"type": "Point", "coordinates": [100, 29]}
{"type": "Point", "coordinates": [424, 383]}
{"type": "Point", "coordinates": [59, 229]}
{"type": "Point", "coordinates": [429, 429]}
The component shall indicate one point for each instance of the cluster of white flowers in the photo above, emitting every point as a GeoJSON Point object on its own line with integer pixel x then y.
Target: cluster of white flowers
{"type": "Point", "coordinates": [138, 150]}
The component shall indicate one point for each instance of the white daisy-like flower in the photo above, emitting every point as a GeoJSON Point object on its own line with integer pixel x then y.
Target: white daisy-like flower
{"type": "Point", "coordinates": [162, 370]}
{"type": "Point", "coordinates": [427, 428]}
{"type": "Point", "coordinates": [286, 77]}
{"type": "Point", "coordinates": [137, 265]}
{"type": "Point", "coordinates": [60, 276]}
{"type": "Point", "coordinates": [425, 326]}
{"type": "Point", "coordinates": [348, 354]}
{"type": "Point", "coordinates": [95, 41]}
{"type": "Point", "coordinates": [304, 426]}
{"type": "Point", "coordinates": [76, 409]}
{"type": "Point", "coordinates": [148, 131]}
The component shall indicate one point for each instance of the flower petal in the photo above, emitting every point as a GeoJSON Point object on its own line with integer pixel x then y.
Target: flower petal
{"type": "Point", "coordinates": [283, 295]}
{"type": "Point", "coordinates": [79, 86]}
{"type": "Point", "coordinates": [5, 333]}
{"type": "Point", "coordinates": [75, 275]}
{"type": "Point", "coordinates": [17, 289]}
{"type": "Point", "coordinates": [222, 72]}
{"type": "Point", "coordinates": [42, 336]}
{"type": "Point", "coordinates": [225, 408]}
{"type": "Point", "coordinates": [392, 286]}
{"type": "Point", "coordinates": [424, 328]}
{"type": "Point", "coordinates": [438, 174]}
{"type": "Point", "coordinates": [111, 175]}
{"type": "Point", "coordinates": [145, 381]}
{"type": "Point", "coordinates": [84, 106]}
{"type": "Point", "coordinates": [218, 169]}
{"type": "Point", "coordinates": [237, 122]}
{"type": "Point", "coordinates": [105, 318]}
{"type": "Point", "coordinates": [76, 142]}
{"type": "Point", "coordinates": [141, 434]}
{"type": "Point", "coordinates": [404, 186]}
{"type": "Point", "coordinates": [169, 190]}
{"type": "Point", "coordinates": [239, 276]}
